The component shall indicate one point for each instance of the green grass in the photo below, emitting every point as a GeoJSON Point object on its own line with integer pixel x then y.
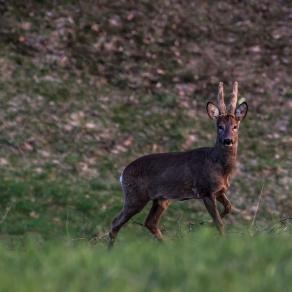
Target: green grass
{"type": "Point", "coordinates": [75, 126]}
{"type": "Point", "coordinates": [44, 244]}
{"type": "Point", "coordinates": [200, 261]}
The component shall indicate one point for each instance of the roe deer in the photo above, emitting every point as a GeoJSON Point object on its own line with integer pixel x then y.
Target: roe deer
{"type": "Point", "coordinates": [201, 173]}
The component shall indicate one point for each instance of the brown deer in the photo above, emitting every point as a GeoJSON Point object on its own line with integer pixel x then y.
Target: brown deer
{"type": "Point", "coordinates": [201, 173]}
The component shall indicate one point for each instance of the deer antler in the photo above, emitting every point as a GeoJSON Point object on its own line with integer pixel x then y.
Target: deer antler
{"type": "Point", "coordinates": [233, 101]}
{"type": "Point", "coordinates": [220, 99]}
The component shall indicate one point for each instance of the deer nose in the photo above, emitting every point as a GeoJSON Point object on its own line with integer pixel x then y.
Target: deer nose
{"type": "Point", "coordinates": [228, 142]}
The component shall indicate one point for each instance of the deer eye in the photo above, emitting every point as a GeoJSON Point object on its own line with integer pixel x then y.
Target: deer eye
{"type": "Point", "coordinates": [235, 127]}
{"type": "Point", "coordinates": [221, 128]}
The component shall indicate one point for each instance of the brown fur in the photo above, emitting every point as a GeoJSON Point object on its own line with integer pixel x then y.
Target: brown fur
{"type": "Point", "coordinates": [202, 173]}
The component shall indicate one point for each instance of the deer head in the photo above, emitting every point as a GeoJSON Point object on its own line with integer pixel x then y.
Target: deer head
{"type": "Point", "coordinates": [227, 118]}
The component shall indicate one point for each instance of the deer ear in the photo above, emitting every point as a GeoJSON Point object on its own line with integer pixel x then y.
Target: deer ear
{"type": "Point", "coordinates": [212, 110]}
{"type": "Point", "coordinates": [241, 111]}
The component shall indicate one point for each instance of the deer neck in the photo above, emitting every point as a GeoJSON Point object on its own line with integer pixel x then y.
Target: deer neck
{"type": "Point", "coordinates": [225, 156]}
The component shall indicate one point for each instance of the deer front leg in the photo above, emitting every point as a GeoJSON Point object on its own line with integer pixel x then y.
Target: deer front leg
{"type": "Point", "coordinates": [226, 203]}
{"type": "Point", "coordinates": [211, 205]}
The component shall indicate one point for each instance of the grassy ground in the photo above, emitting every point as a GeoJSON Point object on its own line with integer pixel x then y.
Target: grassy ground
{"type": "Point", "coordinates": [85, 89]}
{"type": "Point", "coordinates": [198, 261]}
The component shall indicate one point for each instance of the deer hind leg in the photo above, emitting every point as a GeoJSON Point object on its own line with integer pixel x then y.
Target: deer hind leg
{"type": "Point", "coordinates": [153, 218]}
{"type": "Point", "coordinates": [126, 214]}
{"type": "Point", "coordinates": [211, 206]}
{"type": "Point", "coordinates": [226, 203]}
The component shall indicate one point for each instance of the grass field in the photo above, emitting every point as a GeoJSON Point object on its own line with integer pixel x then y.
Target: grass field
{"type": "Point", "coordinates": [88, 86]}
{"type": "Point", "coordinates": [45, 232]}
{"type": "Point", "coordinates": [199, 261]}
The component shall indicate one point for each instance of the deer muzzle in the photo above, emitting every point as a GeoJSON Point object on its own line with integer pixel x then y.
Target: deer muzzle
{"type": "Point", "coordinates": [228, 142]}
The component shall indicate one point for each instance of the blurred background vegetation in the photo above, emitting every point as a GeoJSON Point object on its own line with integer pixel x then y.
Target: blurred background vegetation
{"type": "Point", "coordinates": [87, 86]}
